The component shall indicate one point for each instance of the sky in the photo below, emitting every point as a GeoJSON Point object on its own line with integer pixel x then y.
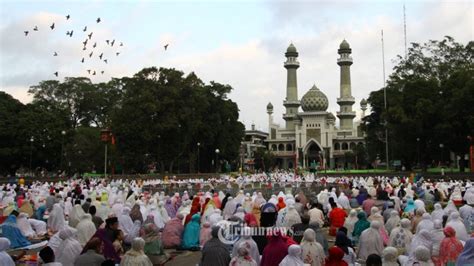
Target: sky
{"type": "Point", "coordinates": [240, 43]}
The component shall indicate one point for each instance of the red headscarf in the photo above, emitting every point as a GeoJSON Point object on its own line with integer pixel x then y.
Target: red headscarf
{"type": "Point", "coordinates": [195, 208]}
{"type": "Point", "coordinates": [217, 201]}
{"type": "Point", "coordinates": [281, 203]}
{"type": "Point", "coordinates": [450, 247]}
{"type": "Point", "coordinates": [275, 251]}
{"type": "Point", "coordinates": [335, 257]}
{"type": "Point", "coordinates": [250, 220]}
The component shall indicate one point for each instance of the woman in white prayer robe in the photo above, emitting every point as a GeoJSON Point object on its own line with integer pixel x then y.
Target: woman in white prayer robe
{"type": "Point", "coordinates": [125, 221]}
{"type": "Point", "coordinates": [294, 257]}
{"type": "Point", "coordinates": [343, 201]}
{"type": "Point", "coordinates": [247, 241]}
{"type": "Point", "coordinates": [350, 222]}
{"type": "Point", "coordinates": [75, 216]}
{"type": "Point", "coordinates": [5, 259]}
{"type": "Point", "coordinates": [370, 241]}
{"type": "Point", "coordinates": [70, 248]}
{"type": "Point", "coordinates": [438, 212]}
{"type": "Point", "coordinates": [292, 217]}
{"type": "Point", "coordinates": [437, 235]}
{"type": "Point", "coordinates": [157, 217]}
{"type": "Point", "coordinates": [136, 255]}
{"type": "Point", "coordinates": [56, 220]}
{"type": "Point", "coordinates": [313, 252]}
{"type": "Point", "coordinates": [457, 224]}
{"type": "Point", "coordinates": [24, 225]}
{"type": "Point", "coordinates": [422, 238]}
{"type": "Point", "coordinates": [425, 223]}
{"type": "Point", "coordinates": [392, 222]}
{"type": "Point", "coordinates": [85, 229]}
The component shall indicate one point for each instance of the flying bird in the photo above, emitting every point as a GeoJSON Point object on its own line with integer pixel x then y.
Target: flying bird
{"type": "Point", "coordinates": [26, 33]}
{"type": "Point", "coordinates": [166, 46]}
{"type": "Point", "coordinates": [102, 72]}
{"type": "Point", "coordinates": [35, 28]}
{"type": "Point", "coordinates": [107, 41]}
{"type": "Point", "coordinates": [112, 43]}
{"type": "Point", "coordinates": [85, 29]}
{"type": "Point", "coordinates": [93, 73]}
{"type": "Point", "coordinates": [55, 54]}
{"type": "Point", "coordinates": [85, 42]}
{"type": "Point", "coordinates": [117, 53]}
{"type": "Point", "coordinates": [83, 49]}
{"type": "Point", "coordinates": [69, 33]}
{"type": "Point", "coordinates": [89, 71]}
{"type": "Point", "coordinates": [67, 17]}
{"type": "Point", "coordinates": [90, 55]}
{"type": "Point", "coordinates": [121, 43]}
{"type": "Point", "coordinates": [98, 20]}
{"type": "Point", "coordinates": [105, 60]}
{"type": "Point", "coordinates": [82, 61]}
{"type": "Point", "coordinates": [90, 35]}
{"type": "Point", "coordinates": [95, 44]}
{"type": "Point", "coordinates": [52, 26]}
{"type": "Point", "coordinates": [100, 56]}
{"type": "Point", "coordinates": [55, 73]}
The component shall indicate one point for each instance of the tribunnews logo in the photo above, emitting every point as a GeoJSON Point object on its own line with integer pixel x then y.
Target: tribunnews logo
{"type": "Point", "coordinates": [230, 232]}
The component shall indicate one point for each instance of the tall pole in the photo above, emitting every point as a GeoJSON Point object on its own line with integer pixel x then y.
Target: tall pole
{"type": "Point", "coordinates": [31, 151]}
{"type": "Point", "coordinates": [198, 146]}
{"type": "Point", "coordinates": [385, 105]}
{"type": "Point", "coordinates": [105, 161]}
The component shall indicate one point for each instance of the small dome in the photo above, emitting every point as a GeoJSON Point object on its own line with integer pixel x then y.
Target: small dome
{"type": "Point", "coordinates": [344, 45]}
{"type": "Point", "coordinates": [314, 100]}
{"type": "Point", "coordinates": [363, 102]}
{"type": "Point", "coordinates": [269, 106]}
{"type": "Point", "coordinates": [291, 51]}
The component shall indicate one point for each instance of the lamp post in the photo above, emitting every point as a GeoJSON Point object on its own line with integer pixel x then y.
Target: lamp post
{"type": "Point", "coordinates": [32, 139]}
{"type": "Point", "coordinates": [105, 137]}
{"type": "Point", "coordinates": [198, 146]}
{"type": "Point", "coordinates": [441, 146]}
{"type": "Point", "coordinates": [418, 151]}
{"type": "Point", "coordinates": [63, 133]}
{"type": "Point", "coordinates": [217, 160]}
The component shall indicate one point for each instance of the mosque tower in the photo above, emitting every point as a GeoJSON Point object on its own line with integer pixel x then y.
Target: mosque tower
{"type": "Point", "coordinates": [291, 102]}
{"type": "Point", "coordinates": [345, 101]}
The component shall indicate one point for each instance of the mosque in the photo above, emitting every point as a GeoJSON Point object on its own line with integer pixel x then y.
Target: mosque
{"type": "Point", "coordinates": [311, 137]}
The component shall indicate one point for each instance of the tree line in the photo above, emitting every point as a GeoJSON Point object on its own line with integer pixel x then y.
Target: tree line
{"type": "Point", "coordinates": [161, 120]}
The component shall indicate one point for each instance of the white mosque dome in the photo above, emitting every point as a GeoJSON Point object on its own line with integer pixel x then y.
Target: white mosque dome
{"type": "Point", "coordinates": [314, 100]}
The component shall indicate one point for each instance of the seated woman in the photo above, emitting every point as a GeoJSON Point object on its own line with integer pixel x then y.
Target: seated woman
{"type": "Point", "coordinates": [153, 245]}
{"type": "Point", "coordinates": [136, 256]}
{"type": "Point", "coordinates": [191, 234]}
{"type": "Point", "coordinates": [11, 231]}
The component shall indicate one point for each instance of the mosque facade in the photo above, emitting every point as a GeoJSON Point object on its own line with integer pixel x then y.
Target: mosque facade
{"type": "Point", "coordinates": [311, 137]}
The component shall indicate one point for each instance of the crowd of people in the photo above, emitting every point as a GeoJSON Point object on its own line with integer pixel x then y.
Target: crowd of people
{"type": "Point", "coordinates": [353, 220]}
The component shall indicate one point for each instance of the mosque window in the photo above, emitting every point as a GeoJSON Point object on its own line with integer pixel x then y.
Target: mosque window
{"type": "Point", "coordinates": [337, 146]}
{"type": "Point", "coordinates": [345, 146]}
{"type": "Point", "coordinates": [353, 145]}
{"type": "Point", "coordinates": [289, 147]}
{"type": "Point", "coordinates": [281, 147]}
{"type": "Point", "coordinates": [274, 147]}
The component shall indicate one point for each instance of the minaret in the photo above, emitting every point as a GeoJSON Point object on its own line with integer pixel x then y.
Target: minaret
{"type": "Point", "coordinates": [345, 114]}
{"type": "Point", "coordinates": [363, 107]}
{"type": "Point", "coordinates": [291, 102]}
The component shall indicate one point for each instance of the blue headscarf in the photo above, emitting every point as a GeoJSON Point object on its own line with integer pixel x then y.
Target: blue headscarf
{"type": "Point", "coordinates": [410, 206]}
{"type": "Point", "coordinates": [10, 230]}
{"type": "Point", "coordinates": [467, 255]}
{"type": "Point", "coordinates": [191, 233]}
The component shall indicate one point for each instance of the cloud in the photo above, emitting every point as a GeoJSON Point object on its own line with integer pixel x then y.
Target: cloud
{"type": "Point", "coordinates": [253, 66]}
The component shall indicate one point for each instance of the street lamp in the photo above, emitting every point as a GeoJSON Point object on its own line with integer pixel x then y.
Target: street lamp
{"type": "Point", "coordinates": [418, 151]}
{"type": "Point", "coordinates": [31, 150]}
{"type": "Point", "coordinates": [63, 133]}
{"type": "Point", "coordinates": [217, 160]}
{"type": "Point", "coordinates": [198, 146]}
{"type": "Point", "coordinates": [441, 146]}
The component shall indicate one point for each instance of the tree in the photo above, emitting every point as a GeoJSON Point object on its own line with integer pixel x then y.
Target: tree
{"type": "Point", "coordinates": [429, 102]}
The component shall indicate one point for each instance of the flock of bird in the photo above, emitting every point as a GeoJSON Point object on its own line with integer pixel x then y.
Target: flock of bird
{"type": "Point", "coordinates": [92, 46]}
